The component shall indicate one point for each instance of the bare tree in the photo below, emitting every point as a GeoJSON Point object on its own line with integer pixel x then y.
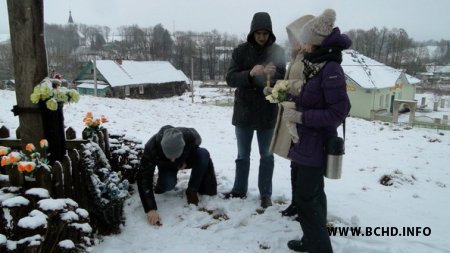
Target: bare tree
{"type": "Point", "coordinates": [161, 44]}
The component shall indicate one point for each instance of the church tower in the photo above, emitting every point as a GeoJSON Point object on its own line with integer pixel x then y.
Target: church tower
{"type": "Point", "coordinates": [70, 18]}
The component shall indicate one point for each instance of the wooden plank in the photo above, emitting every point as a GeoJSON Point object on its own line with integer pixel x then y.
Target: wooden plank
{"type": "Point", "coordinates": [106, 141]}
{"type": "Point", "coordinates": [75, 158]}
{"type": "Point", "coordinates": [16, 143]}
{"type": "Point", "coordinates": [57, 180]}
{"type": "Point", "coordinates": [67, 172]}
{"type": "Point", "coordinates": [44, 179]}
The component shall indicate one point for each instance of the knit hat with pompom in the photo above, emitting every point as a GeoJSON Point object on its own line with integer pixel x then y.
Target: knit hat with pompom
{"type": "Point", "coordinates": [318, 28]}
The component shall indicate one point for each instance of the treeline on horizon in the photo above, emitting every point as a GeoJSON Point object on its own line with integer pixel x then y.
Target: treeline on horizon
{"type": "Point", "coordinates": [70, 47]}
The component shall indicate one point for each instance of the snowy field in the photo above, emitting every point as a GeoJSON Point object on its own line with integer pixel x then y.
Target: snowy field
{"type": "Point", "coordinates": [414, 162]}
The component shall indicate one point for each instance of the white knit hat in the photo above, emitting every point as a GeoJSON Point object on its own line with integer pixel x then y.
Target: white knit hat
{"type": "Point", "coordinates": [318, 28]}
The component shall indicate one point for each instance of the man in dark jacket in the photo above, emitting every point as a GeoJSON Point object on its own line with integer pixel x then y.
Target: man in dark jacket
{"type": "Point", "coordinates": [173, 149]}
{"type": "Point", "coordinates": [254, 64]}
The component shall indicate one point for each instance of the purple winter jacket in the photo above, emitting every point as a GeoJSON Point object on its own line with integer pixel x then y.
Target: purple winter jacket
{"type": "Point", "coordinates": [324, 104]}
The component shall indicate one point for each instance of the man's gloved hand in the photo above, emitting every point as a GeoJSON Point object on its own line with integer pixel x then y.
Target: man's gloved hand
{"type": "Point", "coordinates": [292, 115]}
{"type": "Point", "coordinates": [267, 91]}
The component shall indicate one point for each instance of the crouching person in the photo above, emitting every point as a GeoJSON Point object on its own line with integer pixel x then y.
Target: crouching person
{"type": "Point", "coordinates": [173, 149]}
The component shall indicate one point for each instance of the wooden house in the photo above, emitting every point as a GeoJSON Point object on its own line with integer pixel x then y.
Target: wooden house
{"type": "Point", "coordinates": [135, 79]}
{"type": "Point", "coordinates": [103, 90]}
{"type": "Point", "coordinates": [373, 86]}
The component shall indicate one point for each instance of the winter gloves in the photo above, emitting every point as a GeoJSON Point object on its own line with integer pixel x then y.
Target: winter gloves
{"type": "Point", "coordinates": [292, 115]}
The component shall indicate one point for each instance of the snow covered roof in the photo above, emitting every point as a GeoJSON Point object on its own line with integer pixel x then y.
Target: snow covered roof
{"type": "Point", "coordinates": [412, 79]}
{"type": "Point", "coordinates": [442, 69]}
{"type": "Point", "coordinates": [90, 81]}
{"type": "Point", "coordinates": [367, 72]}
{"type": "Point", "coordinates": [91, 86]}
{"type": "Point", "coordinates": [139, 72]}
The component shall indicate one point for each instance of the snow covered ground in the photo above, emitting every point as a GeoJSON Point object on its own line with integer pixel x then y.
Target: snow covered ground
{"type": "Point", "coordinates": [416, 161]}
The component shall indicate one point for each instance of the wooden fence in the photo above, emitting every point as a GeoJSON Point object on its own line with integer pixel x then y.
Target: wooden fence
{"type": "Point", "coordinates": [69, 179]}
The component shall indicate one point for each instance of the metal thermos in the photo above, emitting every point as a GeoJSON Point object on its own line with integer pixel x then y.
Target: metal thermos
{"type": "Point", "coordinates": [335, 152]}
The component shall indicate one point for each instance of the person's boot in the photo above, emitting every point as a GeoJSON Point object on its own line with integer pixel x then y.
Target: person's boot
{"type": "Point", "coordinates": [297, 245]}
{"type": "Point", "coordinates": [232, 194]}
{"type": "Point", "coordinates": [291, 210]}
{"type": "Point", "coordinates": [191, 196]}
{"type": "Point", "coordinates": [266, 202]}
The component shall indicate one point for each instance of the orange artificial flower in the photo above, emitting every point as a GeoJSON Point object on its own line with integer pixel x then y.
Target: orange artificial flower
{"type": "Point", "coordinates": [14, 157]}
{"type": "Point", "coordinates": [26, 166]}
{"type": "Point", "coordinates": [43, 143]}
{"type": "Point", "coordinates": [30, 147]}
{"type": "Point", "coordinates": [4, 150]}
{"type": "Point", "coordinates": [89, 115]}
{"type": "Point", "coordinates": [5, 161]}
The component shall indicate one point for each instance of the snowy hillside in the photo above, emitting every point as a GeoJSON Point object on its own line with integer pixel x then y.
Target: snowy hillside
{"type": "Point", "coordinates": [414, 166]}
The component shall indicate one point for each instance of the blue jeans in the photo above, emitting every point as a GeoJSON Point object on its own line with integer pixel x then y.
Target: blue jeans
{"type": "Point", "coordinates": [244, 138]}
{"type": "Point", "coordinates": [201, 164]}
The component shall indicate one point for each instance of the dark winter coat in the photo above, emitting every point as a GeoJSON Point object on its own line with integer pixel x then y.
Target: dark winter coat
{"type": "Point", "coordinates": [324, 104]}
{"type": "Point", "coordinates": [251, 109]}
{"type": "Point", "coordinates": [153, 156]}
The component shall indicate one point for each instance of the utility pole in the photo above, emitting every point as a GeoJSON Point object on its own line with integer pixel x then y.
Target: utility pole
{"type": "Point", "coordinates": [94, 62]}
{"type": "Point", "coordinates": [95, 75]}
{"type": "Point", "coordinates": [192, 78]}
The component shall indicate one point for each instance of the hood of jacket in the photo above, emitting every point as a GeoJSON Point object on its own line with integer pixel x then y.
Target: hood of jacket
{"type": "Point", "coordinates": [337, 39]}
{"type": "Point", "coordinates": [293, 29]}
{"type": "Point", "coordinates": [261, 21]}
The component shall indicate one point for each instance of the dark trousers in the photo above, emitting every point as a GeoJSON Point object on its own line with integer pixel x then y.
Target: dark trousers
{"type": "Point", "coordinates": [202, 179]}
{"type": "Point", "coordinates": [311, 203]}
{"type": "Point", "coordinates": [293, 182]}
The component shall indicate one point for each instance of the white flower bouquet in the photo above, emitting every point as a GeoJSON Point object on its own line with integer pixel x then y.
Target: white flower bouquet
{"type": "Point", "coordinates": [279, 92]}
{"type": "Point", "coordinates": [285, 132]}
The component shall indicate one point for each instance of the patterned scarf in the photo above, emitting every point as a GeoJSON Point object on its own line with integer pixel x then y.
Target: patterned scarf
{"type": "Point", "coordinates": [316, 60]}
{"type": "Point", "coordinates": [311, 69]}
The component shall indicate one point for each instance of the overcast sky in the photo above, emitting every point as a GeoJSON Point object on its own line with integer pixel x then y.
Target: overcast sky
{"type": "Point", "coordinates": [422, 19]}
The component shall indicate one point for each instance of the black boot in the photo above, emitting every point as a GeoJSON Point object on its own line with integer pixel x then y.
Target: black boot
{"type": "Point", "coordinates": [297, 245]}
{"type": "Point", "coordinates": [232, 194]}
{"type": "Point", "coordinates": [291, 210]}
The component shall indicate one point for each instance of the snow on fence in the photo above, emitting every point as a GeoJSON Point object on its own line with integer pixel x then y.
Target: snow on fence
{"type": "Point", "coordinates": [88, 188]}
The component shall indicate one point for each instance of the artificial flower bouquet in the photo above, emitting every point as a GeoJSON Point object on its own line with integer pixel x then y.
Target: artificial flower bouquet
{"type": "Point", "coordinates": [280, 95]}
{"type": "Point", "coordinates": [45, 92]}
{"type": "Point", "coordinates": [92, 124]}
{"type": "Point", "coordinates": [26, 161]}
{"type": "Point", "coordinates": [279, 92]}
{"type": "Point", "coordinates": [285, 132]}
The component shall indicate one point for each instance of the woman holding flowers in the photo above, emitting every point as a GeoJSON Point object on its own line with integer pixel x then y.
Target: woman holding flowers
{"type": "Point", "coordinates": [290, 87]}
{"type": "Point", "coordinates": [321, 107]}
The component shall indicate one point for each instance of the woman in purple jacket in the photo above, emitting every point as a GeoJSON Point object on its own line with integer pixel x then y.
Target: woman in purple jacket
{"type": "Point", "coordinates": [321, 107]}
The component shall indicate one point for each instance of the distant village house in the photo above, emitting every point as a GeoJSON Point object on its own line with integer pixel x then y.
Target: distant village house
{"type": "Point", "coordinates": [134, 79]}
{"type": "Point", "coordinates": [373, 87]}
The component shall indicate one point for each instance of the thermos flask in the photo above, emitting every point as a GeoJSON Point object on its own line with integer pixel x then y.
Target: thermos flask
{"type": "Point", "coordinates": [335, 152]}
